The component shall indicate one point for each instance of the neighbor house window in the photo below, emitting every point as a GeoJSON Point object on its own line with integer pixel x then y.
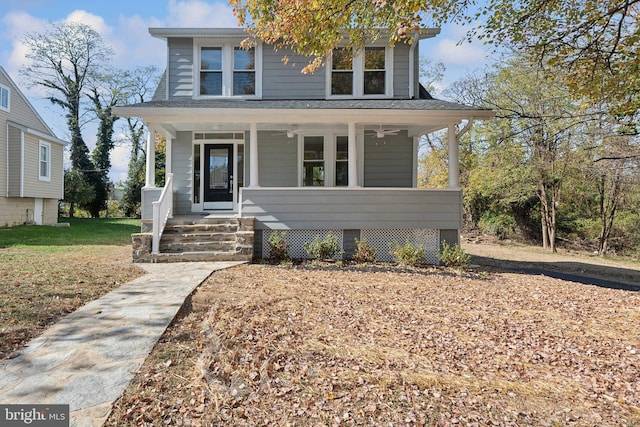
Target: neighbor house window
{"type": "Point", "coordinates": [228, 70]}
{"type": "Point", "coordinates": [313, 161]}
{"type": "Point", "coordinates": [4, 98]}
{"type": "Point", "coordinates": [342, 161]}
{"type": "Point", "coordinates": [364, 74]}
{"type": "Point", "coordinates": [45, 161]}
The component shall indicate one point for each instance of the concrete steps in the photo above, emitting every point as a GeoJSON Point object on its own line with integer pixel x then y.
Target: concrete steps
{"type": "Point", "coordinates": [199, 239]}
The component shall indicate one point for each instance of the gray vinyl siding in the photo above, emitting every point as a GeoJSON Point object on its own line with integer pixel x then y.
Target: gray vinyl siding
{"type": "Point", "coordinates": [182, 167]}
{"type": "Point", "coordinates": [161, 91]}
{"type": "Point", "coordinates": [352, 209]}
{"type": "Point", "coordinates": [33, 186]}
{"type": "Point", "coordinates": [4, 173]}
{"type": "Point", "coordinates": [388, 161]}
{"type": "Point", "coordinates": [277, 160]}
{"type": "Point", "coordinates": [180, 69]}
{"type": "Point", "coordinates": [286, 81]}
{"type": "Point", "coordinates": [401, 71]}
{"type": "Point", "coordinates": [20, 110]}
{"type": "Point", "coordinates": [14, 169]}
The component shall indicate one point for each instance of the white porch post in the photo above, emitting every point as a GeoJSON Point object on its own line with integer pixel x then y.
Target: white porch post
{"type": "Point", "coordinates": [253, 156]}
{"type": "Point", "coordinates": [353, 156]}
{"type": "Point", "coordinates": [150, 178]}
{"type": "Point", "coordinates": [454, 159]}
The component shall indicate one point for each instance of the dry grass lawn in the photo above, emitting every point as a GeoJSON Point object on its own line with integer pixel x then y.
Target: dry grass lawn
{"type": "Point", "coordinates": [315, 346]}
{"type": "Point", "coordinates": [39, 286]}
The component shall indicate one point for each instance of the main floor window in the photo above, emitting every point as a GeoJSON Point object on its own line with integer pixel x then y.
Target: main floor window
{"type": "Point", "coordinates": [342, 161]}
{"type": "Point", "coordinates": [313, 161]}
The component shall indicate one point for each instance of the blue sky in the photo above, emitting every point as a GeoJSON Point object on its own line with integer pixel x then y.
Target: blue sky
{"type": "Point", "coordinates": [124, 26]}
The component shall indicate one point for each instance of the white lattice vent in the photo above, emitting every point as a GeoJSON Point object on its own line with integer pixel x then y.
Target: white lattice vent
{"type": "Point", "coordinates": [297, 239]}
{"type": "Point", "coordinates": [382, 238]}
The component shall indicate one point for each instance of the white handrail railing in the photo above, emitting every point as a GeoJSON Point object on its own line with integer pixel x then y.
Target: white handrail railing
{"type": "Point", "coordinates": [162, 211]}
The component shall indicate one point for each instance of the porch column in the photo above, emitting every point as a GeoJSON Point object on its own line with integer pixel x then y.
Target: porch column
{"type": "Point", "coordinates": [454, 166]}
{"type": "Point", "coordinates": [253, 156]}
{"type": "Point", "coordinates": [150, 178]}
{"type": "Point", "coordinates": [352, 156]}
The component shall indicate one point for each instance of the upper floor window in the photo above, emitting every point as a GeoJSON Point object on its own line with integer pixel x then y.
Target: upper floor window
{"type": "Point", "coordinates": [228, 70]}
{"type": "Point", "coordinates": [4, 98]}
{"type": "Point", "coordinates": [365, 74]}
{"type": "Point", "coordinates": [374, 71]}
{"type": "Point", "coordinates": [341, 72]}
{"type": "Point", "coordinates": [44, 161]}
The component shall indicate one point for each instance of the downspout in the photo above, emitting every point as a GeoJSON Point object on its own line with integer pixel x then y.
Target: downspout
{"type": "Point", "coordinates": [412, 61]}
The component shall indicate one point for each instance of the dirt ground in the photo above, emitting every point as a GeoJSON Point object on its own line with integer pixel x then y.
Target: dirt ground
{"type": "Point", "coordinates": [489, 251]}
{"type": "Point", "coordinates": [382, 345]}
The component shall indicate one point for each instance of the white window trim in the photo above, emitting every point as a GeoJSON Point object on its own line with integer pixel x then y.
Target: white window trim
{"type": "Point", "coordinates": [330, 157]}
{"type": "Point", "coordinates": [46, 177]}
{"type": "Point", "coordinates": [8, 107]}
{"type": "Point", "coordinates": [358, 76]}
{"type": "Point", "coordinates": [227, 69]}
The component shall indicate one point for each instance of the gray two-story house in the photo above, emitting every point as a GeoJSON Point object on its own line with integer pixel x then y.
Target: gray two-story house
{"type": "Point", "coordinates": [250, 137]}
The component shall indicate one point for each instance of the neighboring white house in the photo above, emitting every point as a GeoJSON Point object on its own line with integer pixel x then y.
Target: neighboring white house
{"type": "Point", "coordinates": [31, 161]}
{"type": "Point", "coordinates": [335, 151]}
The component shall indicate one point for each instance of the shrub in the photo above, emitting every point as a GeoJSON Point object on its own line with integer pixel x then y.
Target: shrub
{"type": "Point", "coordinates": [453, 256]}
{"type": "Point", "coordinates": [364, 252]}
{"type": "Point", "coordinates": [500, 225]}
{"type": "Point", "coordinates": [407, 254]}
{"type": "Point", "coordinates": [327, 248]}
{"type": "Point", "coordinates": [279, 247]}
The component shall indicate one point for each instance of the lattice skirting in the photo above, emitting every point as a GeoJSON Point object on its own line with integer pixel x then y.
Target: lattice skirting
{"type": "Point", "coordinates": [381, 239]}
{"type": "Point", "coordinates": [297, 239]}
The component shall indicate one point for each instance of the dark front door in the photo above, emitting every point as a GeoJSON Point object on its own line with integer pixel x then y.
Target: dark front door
{"type": "Point", "coordinates": [218, 176]}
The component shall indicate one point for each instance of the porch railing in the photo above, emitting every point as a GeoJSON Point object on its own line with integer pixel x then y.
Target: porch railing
{"type": "Point", "coordinates": [162, 211]}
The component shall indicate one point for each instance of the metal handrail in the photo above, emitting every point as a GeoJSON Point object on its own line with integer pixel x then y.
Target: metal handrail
{"type": "Point", "coordinates": [162, 211]}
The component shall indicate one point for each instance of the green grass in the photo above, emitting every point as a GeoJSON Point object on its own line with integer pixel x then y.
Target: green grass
{"type": "Point", "coordinates": [82, 231]}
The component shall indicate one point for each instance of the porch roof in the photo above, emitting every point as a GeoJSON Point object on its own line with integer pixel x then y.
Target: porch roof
{"type": "Point", "coordinates": [307, 104]}
{"type": "Point", "coordinates": [419, 116]}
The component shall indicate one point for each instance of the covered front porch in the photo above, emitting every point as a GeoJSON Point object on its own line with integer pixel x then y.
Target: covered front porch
{"type": "Point", "coordinates": [311, 169]}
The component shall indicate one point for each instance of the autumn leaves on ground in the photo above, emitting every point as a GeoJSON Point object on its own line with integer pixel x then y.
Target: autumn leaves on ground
{"type": "Point", "coordinates": [322, 345]}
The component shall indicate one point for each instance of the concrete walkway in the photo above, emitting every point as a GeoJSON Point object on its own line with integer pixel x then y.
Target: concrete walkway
{"type": "Point", "coordinates": [88, 358]}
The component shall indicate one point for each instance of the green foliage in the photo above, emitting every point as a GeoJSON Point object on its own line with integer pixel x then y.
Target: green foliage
{"type": "Point", "coordinates": [327, 248]}
{"type": "Point", "coordinates": [407, 254]}
{"type": "Point", "coordinates": [82, 231]}
{"type": "Point", "coordinates": [453, 256]}
{"type": "Point", "coordinates": [365, 253]}
{"type": "Point", "coordinates": [76, 190]}
{"type": "Point", "coordinates": [279, 247]}
{"type": "Point", "coordinates": [499, 224]}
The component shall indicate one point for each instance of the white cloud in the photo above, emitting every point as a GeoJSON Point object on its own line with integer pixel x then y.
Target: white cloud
{"type": "Point", "coordinates": [119, 163]}
{"type": "Point", "coordinates": [197, 13]}
{"type": "Point", "coordinates": [450, 52]}
{"type": "Point", "coordinates": [134, 46]}
{"type": "Point", "coordinates": [94, 21]}
{"type": "Point", "coordinates": [16, 25]}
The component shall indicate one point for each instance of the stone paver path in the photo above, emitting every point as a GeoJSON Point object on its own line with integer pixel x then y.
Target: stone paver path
{"type": "Point", "coordinates": [88, 358]}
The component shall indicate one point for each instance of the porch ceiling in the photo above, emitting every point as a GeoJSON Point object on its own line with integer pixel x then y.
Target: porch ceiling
{"type": "Point", "coordinates": [417, 116]}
